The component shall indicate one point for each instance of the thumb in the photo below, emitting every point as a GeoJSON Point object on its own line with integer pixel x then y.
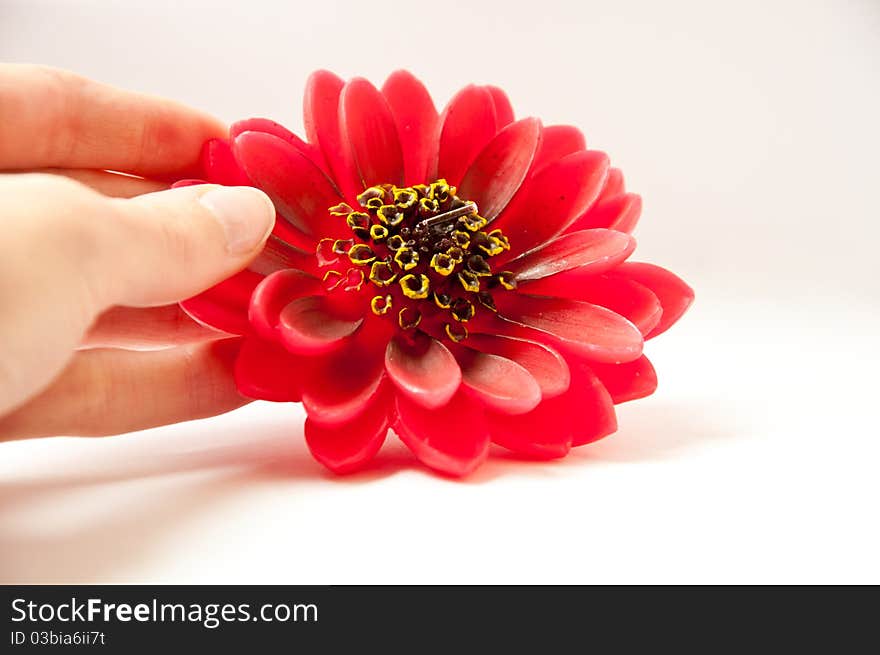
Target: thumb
{"type": "Point", "coordinates": [68, 253]}
{"type": "Point", "coordinates": [167, 246]}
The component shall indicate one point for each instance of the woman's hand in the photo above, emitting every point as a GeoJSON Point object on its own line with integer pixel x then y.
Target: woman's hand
{"type": "Point", "coordinates": [92, 263]}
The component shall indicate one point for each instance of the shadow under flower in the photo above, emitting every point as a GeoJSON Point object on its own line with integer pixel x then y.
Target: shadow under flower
{"type": "Point", "coordinates": [119, 505]}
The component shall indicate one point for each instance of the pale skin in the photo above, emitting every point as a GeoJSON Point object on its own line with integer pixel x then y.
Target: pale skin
{"type": "Point", "coordinates": [92, 262]}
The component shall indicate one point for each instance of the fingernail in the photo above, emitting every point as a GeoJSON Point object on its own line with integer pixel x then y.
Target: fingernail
{"type": "Point", "coordinates": [245, 214]}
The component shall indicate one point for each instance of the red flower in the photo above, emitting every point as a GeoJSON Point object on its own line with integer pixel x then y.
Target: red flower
{"type": "Point", "coordinates": [458, 278]}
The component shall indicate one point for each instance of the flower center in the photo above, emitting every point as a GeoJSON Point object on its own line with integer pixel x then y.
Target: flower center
{"type": "Point", "coordinates": [424, 250]}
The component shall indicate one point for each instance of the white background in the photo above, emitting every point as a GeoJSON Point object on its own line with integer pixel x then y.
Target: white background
{"type": "Point", "coordinates": [751, 131]}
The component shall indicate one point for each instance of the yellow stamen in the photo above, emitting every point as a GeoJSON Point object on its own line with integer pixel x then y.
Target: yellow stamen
{"type": "Point", "coordinates": [457, 332]}
{"type": "Point", "coordinates": [361, 254]}
{"type": "Point", "coordinates": [406, 258]}
{"type": "Point", "coordinates": [380, 304]}
{"type": "Point", "coordinates": [415, 286]}
{"type": "Point", "coordinates": [342, 209]}
{"type": "Point", "coordinates": [390, 215]}
{"type": "Point", "coordinates": [443, 264]}
{"type": "Point", "coordinates": [469, 281]}
{"type": "Point", "coordinates": [409, 318]}
{"type": "Point", "coordinates": [382, 274]}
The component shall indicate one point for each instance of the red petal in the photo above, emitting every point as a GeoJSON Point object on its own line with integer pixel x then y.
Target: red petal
{"type": "Point", "coordinates": [545, 365]}
{"type": "Point", "coordinates": [558, 141]}
{"type": "Point", "coordinates": [596, 332]}
{"type": "Point", "coordinates": [499, 383]}
{"type": "Point", "coordinates": [588, 251]}
{"type": "Point", "coordinates": [674, 294]}
{"type": "Point", "coordinates": [225, 305]}
{"type": "Point", "coordinates": [301, 191]}
{"type": "Point", "coordinates": [348, 447]}
{"type": "Point", "coordinates": [219, 165]}
{"type": "Point", "coordinates": [275, 129]}
{"type": "Point", "coordinates": [590, 405]}
{"type": "Point", "coordinates": [613, 185]}
{"type": "Point", "coordinates": [416, 121]}
{"type": "Point", "coordinates": [190, 182]}
{"type": "Point", "coordinates": [500, 168]}
{"type": "Point", "coordinates": [321, 121]}
{"type": "Point", "coordinates": [628, 214]}
{"type": "Point", "coordinates": [264, 370]}
{"type": "Point", "coordinates": [634, 301]}
{"type": "Point", "coordinates": [371, 146]}
{"type": "Point", "coordinates": [583, 414]}
{"type": "Point", "coordinates": [551, 200]}
{"type": "Point", "coordinates": [425, 371]}
{"type": "Point", "coordinates": [455, 441]}
{"type": "Point", "coordinates": [273, 294]}
{"type": "Point", "coordinates": [308, 326]}
{"type": "Point", "coordinates": [545, 432]}
{"type": "Point", "coordinates": [503, 108]}
{"type": "Point", "coordinates": [466, 126]}
{"type": "Point", "coordinates": [339, 388]}
{"type": "Point", "coordinates": [277, 254]}
{"type": "Point", "coordinates": [619, 213]}
{"type": "Point", "coordinates": [627, 381]}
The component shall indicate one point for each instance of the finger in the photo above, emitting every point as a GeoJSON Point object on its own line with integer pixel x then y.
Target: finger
{"type": "Point", "coordinates": [104, 392]}
{"type": "Point", "coordinates": [133, 327]}
{"type": "Point", "coordinates": [53, 118]}
{"type": "Point", "coordinates": [68, 254]}
{"type": "Point", "coordinates": [108, 183]}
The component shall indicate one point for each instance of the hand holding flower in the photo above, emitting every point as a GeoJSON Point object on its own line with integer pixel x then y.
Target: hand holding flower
{"type": "Point", "coordinates": [90, 265]}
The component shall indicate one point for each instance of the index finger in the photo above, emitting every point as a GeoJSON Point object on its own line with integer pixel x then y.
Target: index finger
{"type": "Point", "coordinates": [54, 118]}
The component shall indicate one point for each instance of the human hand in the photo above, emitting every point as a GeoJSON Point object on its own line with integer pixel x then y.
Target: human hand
{"type": "Point", "coordinates": [92, 262]}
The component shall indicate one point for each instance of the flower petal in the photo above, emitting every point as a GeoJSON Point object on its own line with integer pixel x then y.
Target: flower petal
{"type": "Point", "coordinates": [543, 433]}
{"type": "Point", "coordinates": [499, 383]}
{"type": "Point", "coordinates": [454, 441]}
{"type": "Point", "coordinates": [277, 254]}
{"type": "Point", "coordinates": [591, 405]}
{"type": "Point", "coordinates": [619, 213]}
{"type": "Point", "coordinates": [500, 168]}
{"type": "Point", "coordinates": [596, 332]}
{"type": "Point", "coordinates": [321, 122]}
{"type": "Point", "coordinates": [674, 294]}
{"type": "Point", "coordinates": [225, 305]}
{"type": "Point", "coordinates": [370, 143]}
{"type": "Point", "coordinates": [263, 370]}
{"type": "Point", "coordinates": [614, 185]}
{"type": "Point", "coordinates": [348, 447]}
{"type": "Point", "coordinates": [558, 141]}
{"type": "Point", "coordinates": [627, 381]}
{"type": "Point", "coordinates": [634, 301]}
{"type": "Point", "coordinates": [189, 182]}
{"type": "Point", "coordinates": [627, 213]}
{"type": "Point", "coordinates": [588, 251]}
{"type": "Point", "coordinates": [466, 126]}
{"type": "Point", "coordinates": [267, 126]}
{"type": "Point", "coordinates": [273, 294]}
{"type": "Point", "coordinates": [416, 120]}
{"type": "Point", "coordinates": [219, 165]}
{"type": "Point", "coordinates": [339, 388]}
{"type": "Point", "coordinates": [582, 414]}
{"type": "Point", "coordinates": [503, 108]}
{"type": "Point", "coordinates": [424, 371]}
{"type": "Point", "coordinates": [301, 191]}
{"type": "Point", "coordinates": [546, 366]}
{"type": "Point", "coordinates": [551, 200]}
{"type": "Point", "coordinates": [308, 326]}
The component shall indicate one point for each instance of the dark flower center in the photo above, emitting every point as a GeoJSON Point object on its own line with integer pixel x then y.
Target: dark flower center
{"type": "Point", "coordinates": [424, 250]}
